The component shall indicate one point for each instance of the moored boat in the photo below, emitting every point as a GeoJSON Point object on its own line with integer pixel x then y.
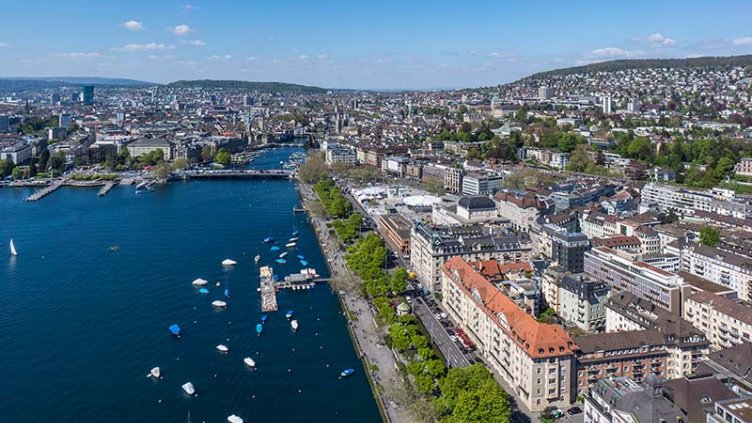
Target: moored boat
{"type": "Point", "coordinates": [268, 239]}
{"type": "Point", "coordinates": [250, 362]}
{"type": "Point", "coordinates": [346, 373]}
{"type": "Point", "coordinates": [289, 314]}
{"type": "Point", "coordinates": [290, 245]}
{"type": "Point", "coordinates": [283, 255]}
{"type": "Point", "coordinates": [189, 389]}
{"type": "Point", "coordinates": [294, 325]}
{"type": "Point", "coordinates": [222, 348]}
{"type": "Point", "coordinates": [203, 291]}
{"type": "Point", "coordinates": [13, 251]}
{"type": "Point", "coordinates": [281, 261]}
{"type": "Point", "coordinates": [257, 258]}
{"type": "Point", "coordinates": [234, 419]}
{"type": "Point", "coordinates": [175, 329]}
{"type": "Point", "coordinates": [219, 304]}
{"type": "Point", "coordinates": [293, 239]}
{"type": "Point", "coordinates": [259, 329]}
{"type": "Point", "coordinates": [155, 372]}
{"type": "Point", "coordinates": [229, 262]}
{"type": "Point", "coordinates": [263, 318]}
{"type": "Point", "coordinates": [199, 282]}
{"type": "Point", "coordinates": [275, 248]}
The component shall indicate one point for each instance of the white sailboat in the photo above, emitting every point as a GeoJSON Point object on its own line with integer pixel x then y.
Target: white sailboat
{"type": "Point", "coordinates": [156, 373]}
{"type": "Point", "coordinates": [188, 388]}
{"type": "Point", "coordinates": [294, 325]}
{"type": "Point", "coordinates": [249, 362]}
{"type": "Point", "coordinates": [222, 348]}
{"type": "Point", "coordinates": [13, 251]}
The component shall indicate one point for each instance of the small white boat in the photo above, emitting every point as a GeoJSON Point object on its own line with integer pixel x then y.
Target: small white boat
{"type": "Point", "coordinates": [234, 419]}
{"type": "Point", "coordinates": [294, 325]}
{"type": "Point", "coordinates": [229, 262]}
{"type": "Point", "coordinates": [156, 373]}
{"type": "Point", "coordinates": [13, 251]}
{"type": "Point", "coordinates": [189, 389]}
{"type": "Point", "coordinates": [219, 304]}
{"type": "Point", "coordinates": [257, 258]}
{"type": "Point", "coordinates": [283, 255]}
{"type": "Point", "coordinates": [200, 282]}
{"type": "Point", "coordinates": [222, 348]}
{"type": "Point", "coordinates": [293, 239]}
{"type": "Point", "coordinates": [249, 362]}
{"type": "Point", "coordinates": [290, 245]}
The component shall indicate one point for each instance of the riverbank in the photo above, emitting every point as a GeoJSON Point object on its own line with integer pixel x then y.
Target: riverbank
{"type": "Point", "coordinates": [386, 382]}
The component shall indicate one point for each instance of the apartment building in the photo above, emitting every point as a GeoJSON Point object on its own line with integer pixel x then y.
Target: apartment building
{"type": "Point", "coordinates": [726, 322]}
{"type": "Point", "coordinates": [453, 179]}
{"type": "Point", "coordinates": [684, 201]}
{"type": "Point", "coordinates": [537, 360]}
{"type": "Point", "coordinates": [723, 267]}
{"type": "Point", "coordinates": [521, 209]}
{"type": "Point", "coordinates": [737, 410]}
{"type": "Point", "coordinates": [580, 301]}
{"type": "Point", "coordinates": [432, 246]}
{"type": "Point", "coordinates": [624, 274]}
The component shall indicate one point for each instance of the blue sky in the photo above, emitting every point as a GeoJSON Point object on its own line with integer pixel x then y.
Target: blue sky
{"type": "Point", "coordinates": [357, 44]}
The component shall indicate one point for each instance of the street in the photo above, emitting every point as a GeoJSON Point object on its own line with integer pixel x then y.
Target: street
{"type": "Point", "coordinates": [439, 336]}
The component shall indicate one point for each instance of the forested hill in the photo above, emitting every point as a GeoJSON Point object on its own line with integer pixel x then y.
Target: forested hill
{"type": "Point", "coordinates": [247, 86]}
{"type": "Point", "coordinates": [617, 65]}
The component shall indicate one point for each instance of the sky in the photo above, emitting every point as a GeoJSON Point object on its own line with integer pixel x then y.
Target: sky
{"type": "Point", "coordinates": [381, 44]}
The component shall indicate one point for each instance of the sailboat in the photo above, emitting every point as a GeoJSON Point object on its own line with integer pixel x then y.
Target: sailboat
{"type": "Point", "coordinates": [13, 251]}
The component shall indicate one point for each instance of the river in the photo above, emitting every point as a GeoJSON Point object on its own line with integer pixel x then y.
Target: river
{"type": "Point", "coordinates": [80, 326]}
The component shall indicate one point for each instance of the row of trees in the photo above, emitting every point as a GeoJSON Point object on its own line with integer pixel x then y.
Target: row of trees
{"type": "Point", "coordinates": [348, 230]}
{"type": "Point", "coordinates": [313, 170]}
{"type": "Point", "coordinates": [334, 201]}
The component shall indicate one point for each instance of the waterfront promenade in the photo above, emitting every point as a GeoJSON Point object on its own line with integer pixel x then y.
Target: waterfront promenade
{"type": "Point", "coordinates": [368, 341]}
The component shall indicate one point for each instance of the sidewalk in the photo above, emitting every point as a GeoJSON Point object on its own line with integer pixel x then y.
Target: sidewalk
{"type": "Point", "coordinates": [368, 341]}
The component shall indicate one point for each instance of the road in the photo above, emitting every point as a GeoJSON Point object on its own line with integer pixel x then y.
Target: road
{"type": "Point", "coordinates": [368, 341]}
{"type": "Point", "coordinates": [439, 336]}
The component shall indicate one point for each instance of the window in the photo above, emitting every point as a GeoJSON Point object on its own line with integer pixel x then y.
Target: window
{"type": "Point", "coordinates": [552, 370]}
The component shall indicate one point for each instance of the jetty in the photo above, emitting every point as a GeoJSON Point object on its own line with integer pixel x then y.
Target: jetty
{"type": "Point", "coordinates": [38, 195]}
{"type": "Point", "coordinates": [238, 174]}
{"type": "Point", "coordinates": [106, 189]}
{"type": "Point", "coordinates": [268, 290]}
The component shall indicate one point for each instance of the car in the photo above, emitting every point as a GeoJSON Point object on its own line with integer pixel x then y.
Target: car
{"type": "Point", "coordinates": [443, 315]}
{"type": "Point", "coordinates": [574, 411]}
{"type": "Point", "coordinates": [453, 338]}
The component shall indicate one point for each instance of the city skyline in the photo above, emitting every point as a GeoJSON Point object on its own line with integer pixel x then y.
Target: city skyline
{"type": "Point", "coordinates": [385, 45]}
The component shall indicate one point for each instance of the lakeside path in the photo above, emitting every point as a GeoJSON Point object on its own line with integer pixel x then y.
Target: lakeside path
{"type": "Point", "coordinates": [368, 342]}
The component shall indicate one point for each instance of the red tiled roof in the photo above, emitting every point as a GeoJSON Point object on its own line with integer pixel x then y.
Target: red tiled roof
{"type": "Point", "coordinates": [539, 340]}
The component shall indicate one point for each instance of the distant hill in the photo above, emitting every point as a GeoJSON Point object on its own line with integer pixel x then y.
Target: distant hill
{"type": "Point", "coordinates": [247, 86]}
{"type": "Point", "coordinates": [617, 65]}
{"type": "Point", "coordinates": [17, 84]}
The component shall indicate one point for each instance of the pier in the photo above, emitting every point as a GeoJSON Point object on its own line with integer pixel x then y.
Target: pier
{"type": "Point", "coordinates": [239, 174]}
{"type": "Point", "coordinates": [268, 290]}
{"type": "Point", "coordinates": [106, 189]}
{"type": "Point", "coordinates": [45, 191]}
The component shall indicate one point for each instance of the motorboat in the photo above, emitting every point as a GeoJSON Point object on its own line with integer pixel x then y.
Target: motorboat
{"type": "Point", "coordinates": [250, 362]}
{"type": "Point", "coordinates": [189, 389]}
{"type": "Point", "coordinates": [257, 258]}
{"type": "Point", "coordinates": [290, 245]}
{"type": "Point", "coordinates": [175, 329]}
{"type": "Point", "coordinates": [294, 325]}
{"type": "Point", "coordinates": [281, 261]}
{"type": "Point", "coordinates": [303, 263]}
{"type": "Point", "coordinates": [283, 255]}
{"type": "Point", "coordinates": [346, 373]}
{"type": "Point", "coordinates": [268, 239]}
{"type": "Point", "coordinates": [229, 262]}
{"type": "Point", "coordinates": [259, 329]}
{"type": "Point", "coordinates": [155, 372]}
{"type": "Point", "coordinates": [227, 292]}
{"type": "Point", "coordinates": [264, 317]}
{"type": "Point", "coordinates": [275, 248]}
{"type": "Point", "coordinates": [218, 284]}
{"type": "Point", "coordinates": [293, 239]}
{"type": "Point", "coordinates": [13, 251]}
{"type": "Point", "coordinates": [294, 233]}
{"type": "Point", "coordinates": [219, 304]}
{"type": "Point", "coordinates": [203, 291]}
{"type": "Point", "coordinates": [199, 282]}
{"type": "Point", "coordinates": [301, 257]}
{"type": "Point", "coordinates": [234, 419]}
{"type": "Point", "coordinates": [222, 348]}
{"type": "Point", "coordinates": [289, 314]}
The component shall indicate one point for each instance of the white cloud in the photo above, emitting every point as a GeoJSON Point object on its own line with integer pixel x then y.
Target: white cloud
{"type": "Point", "coordinates": [181, 29]}
{"type": "Point", "coordinates": [145, 47]}
{"type": "Point", "coordinates": [659, 40]}
{"type": "Point", "coordinates": [186, 63]}
{"type": "Point", "coordinates": [78, 55]}
{"type": "Point", "coordinates": [251, 58]}
{"type": "Point", "coordinates": [195, 43]}
{"type": "Point", "coordinates": [220, 57]}
{"type": "Point", "coordinates": [303, 57]}
{"type": "Point", "coordinates": [609, 52]}
{"type": "Point", "coordinates": [189, 7]}
{"type": "Point", "coordinates": [742, 41]}
{"type": "Point", "coordinates": [132, 25]}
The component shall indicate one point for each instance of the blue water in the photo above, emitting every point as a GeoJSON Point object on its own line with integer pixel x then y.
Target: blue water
{"type": "Point", "coordinates": [80, 326]}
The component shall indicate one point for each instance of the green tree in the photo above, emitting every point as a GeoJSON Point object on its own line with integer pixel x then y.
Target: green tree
{"type": "Point", "coordinates": [16, 173]}
{"type": "Point", "coordinates": [207, 153]}
{"type": "Point", "coordinates": [313, 170]}
{"type": "Point", "coordinates": [223, 157]}
{"type": "Point", "coordinates": [44, 158]}
{"type": "Point", "coordinates": [180, 163]}
{"type": "Point", "coordinates": [425, 384]}
{"type": "Point", "coordinates": [567, 143]}
{"type": "Point", "coordinates": [435, 368]}
{"type": "Point", "coordinates": [399, 337]}
{"type": "Point", "coordinates": [399, 280]}
{"type": "Point", "coordinates": [57, 162]}
{"type": "Point", "coordinates": [710, 236]}
{"type": "Point", "coordinates": [724, 167]}
{"type": "Point", "coordinates": [6, 167]}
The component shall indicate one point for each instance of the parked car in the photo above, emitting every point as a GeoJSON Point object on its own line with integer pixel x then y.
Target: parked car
{"type": "Point", "coordinates": [574, 411]}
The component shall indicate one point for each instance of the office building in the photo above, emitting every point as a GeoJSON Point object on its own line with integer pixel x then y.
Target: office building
{"type": "Point", "coordinates": [545, 92]}
{"type": "Point", "coordinates": [4, 123]}
{"type": "Point", "coordinates": [87, 95]}
{"type": "Point", "coordinates": [480, 184]}
{"type": "Point", "coordinates": [568, 250]}
{"type": "Point", "coordinates": [688, 202]}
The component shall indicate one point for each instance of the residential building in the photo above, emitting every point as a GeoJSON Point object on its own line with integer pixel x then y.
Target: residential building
{"type": "Point", "coordinates": [726, 322]}
{"type": "Point", "coordinates": [624, 274]}
{"type": "Point", "coordinates": [568, 250]}
{"type": "Point", "coordinates": [744, 167]}
{"type": "Point", "coordinates": [622, 400]}
{"type": "Point", "coordinates": [147, 145]}
{"type": "Point", "coordinates": [340, 154]}
{"type": "Point", "coordinates": [732, 411]}
{"type": "Point", "coordinates": [452, 179]}
{"type": "Point", "coordinates": [545, 92]}
{"type": "Point", "coordinates": [432, 246]}
{"type": "Point", "coordinates": [467, 210]}
{"type": "Point", "coordinates": [477, 184]}
{"type": "Point", "coordinates": [579, 300]}
{"type": "Point", "coordinates": [4, 123]}
{"type": "Point", "coordinates": [522, 209]}
{"type": "Point", "coordinates": [18, 153]}
{"type": "Point", "coordinates": [535, 359]}
{"type": "Point", "coordinates": [687, 202]}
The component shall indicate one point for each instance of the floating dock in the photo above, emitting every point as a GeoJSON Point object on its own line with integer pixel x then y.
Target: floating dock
{"type": "Point", "coordinates": [106, 189]}
{"type": "Point", "coordinates": [45, 192]}
{"type": "Point", "coordinates": [268, 290]}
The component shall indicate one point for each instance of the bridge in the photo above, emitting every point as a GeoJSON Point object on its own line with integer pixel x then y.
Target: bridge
{"type": "Point", "coordinates": [238, 174]}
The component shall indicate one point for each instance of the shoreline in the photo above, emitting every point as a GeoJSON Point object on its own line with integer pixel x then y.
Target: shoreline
{"type": "Point", "coordinates": [352, 305]}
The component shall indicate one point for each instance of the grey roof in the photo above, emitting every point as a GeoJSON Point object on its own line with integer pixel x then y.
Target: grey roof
{"type": "Point", "coordinates": [697, 394]}
{"type": "Point", "coordinates": [644, 402]}
{"type": "Point", "coordinates": [583, 286]}
{"type": "Point", "coordinates": [477, 202]}
{"type": "Point", "coordinates": [736, 359]}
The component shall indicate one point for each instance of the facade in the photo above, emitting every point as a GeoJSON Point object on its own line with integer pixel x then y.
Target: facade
{"type": "Point", "coordinates": [535, 359]}
{"type": "Point", "coordinates": [581, 301]}
{"type": "Point", "coordinates": [397, 230]}
{"type": "Point", "coordinates": [737, 410]}
{"type": "Point", "coordinates": [744, 167]}
{"type": "Point", "coordinates": [18, 153]}
{"type": "Point", "coordinates": [687, 202]}
{"type": "Point", "coordinates": [4, 123]}
{"type": "Point", "coordinates": [147, 145]}
{"type": "Point", "coordinates": [339, 154]}
{"type": "Point", "coordinates": [87, 95]}
{"type": "Point", "coordinates": [431, 247]}
{"type": "Point", "coordinates": [452, 179]}
{"type": "Point", "coordinates": [477, 184]}
{"type": "Point", "coordinates": [521, 209]}
{"type": "Point", "coordinates": [635, 276]}
{"type": "Point", "coordinates": [568, 249]}
{"type": "Point", "coordinates": [725, 322]}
